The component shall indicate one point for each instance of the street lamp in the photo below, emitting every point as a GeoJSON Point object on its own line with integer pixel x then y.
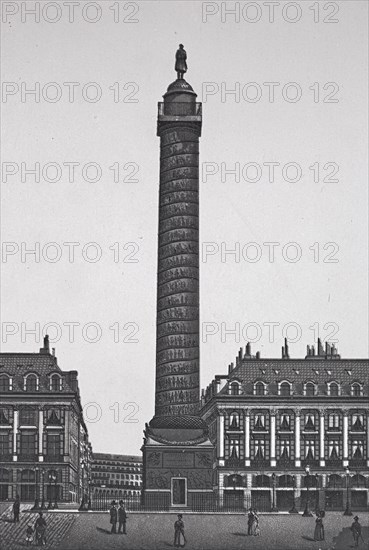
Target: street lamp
{"type": "Point", "coordinates": [56, 492]}
{"type": "Point", "coordinates": [43, 489]}
{"type": "Point", "coordinates": [52, 478]}
{"type": "Point", "coordinates": [83, 501]}
{"type": "Point", "coordinates": [317, 509]}
{"type": "Point", "coordinates": [37, 503]}
{"type": "Point", "coordinates": [293, 509]}
{"type": "Point", "coordinates": [348, 512]}
{"type": "Point", "coordinates": [274, 480]}
{"type": "Point", "coordinates": [307, 513]}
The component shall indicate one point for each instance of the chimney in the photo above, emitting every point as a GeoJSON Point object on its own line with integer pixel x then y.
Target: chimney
{"type": "Point", "coordinates": [240, 354]}
{"type": "Point", "coordinates": [327, 349]}
{"type": "Point", "coordinates": [312, 350]}
{"type": "Point", "coordinates": [258, 355]}
{"type": "Point", "coordinates": [282, 352]}
{"type": "Point", "coordinates": [308, 351]}
{"type": "Point", "coordinates": [53, 351]}
{"type": "Point", "coordinates": [320, 347]}
{"type": "Point", "coordinates": [248, 349]}
{"type": "Point", "coordinates": [46, 349]}
{"type": "Point", "coordinates": [286, 351]}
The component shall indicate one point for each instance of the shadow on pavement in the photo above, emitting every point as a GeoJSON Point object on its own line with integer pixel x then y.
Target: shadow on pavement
{"type": "Point", "coordinates": [307, 538]}
{"type": "Point", "coordinates": [239, 534]}
{"type": "Point", "coordinates": [101, 530]}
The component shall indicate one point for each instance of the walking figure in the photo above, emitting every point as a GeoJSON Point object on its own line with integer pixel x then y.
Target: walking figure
{"type": "Point", "coordinates": [250, 521]}
{"type": "Point", "coordinates": [122, 518]}
{"type": "Point", "coordinates": [356, 530]}
{"type": "Point", "coordinates": [113, 517]}
{"type": "Point", "coordinates": [16, 509]}
{"type": "Point", "coordinates": [319, 527]}
{"type": "Point", "coordinates": [40, 528]}
{"type": "Point", "coordinates": [29, 534]}
{"type": "Point", "coordinates": [179, 536]}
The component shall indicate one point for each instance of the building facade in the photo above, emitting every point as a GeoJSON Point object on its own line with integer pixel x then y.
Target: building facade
{"type": "Point", "coordinates": [290, 432]}
{"type": "Point", "coordinates": [45, 452]}
{"type": "Point", "coordinates": [116, 476]}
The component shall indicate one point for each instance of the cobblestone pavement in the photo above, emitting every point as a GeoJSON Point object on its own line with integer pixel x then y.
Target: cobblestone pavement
{"type": "Point", "coordinates": [212, 532]}
{"type": "Point", "coordinates": [13, 535]}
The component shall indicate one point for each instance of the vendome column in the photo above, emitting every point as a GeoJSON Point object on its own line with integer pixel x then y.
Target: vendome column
{"type": "Point", "coordinates": [177, 453]}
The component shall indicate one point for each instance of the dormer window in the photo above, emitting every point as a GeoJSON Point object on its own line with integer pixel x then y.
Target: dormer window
{"type": "Point", "coordinates": [333, 389]}
{"type": "Point", "coordinates": [5, 383]}
{"type": "Point", "coordinates": [259, 388]}
{"type": "Point", "coordinates": [234, 388]}
{"type": "Point", "coordinates": [55, 382]}
{"type": "Point", "coordinates": [309, 389]}
{"type": "Point", "coordinates": [284, 389]}
{"type": "Point", "coordinates": [356, 389]}
{"type": "Point", "coordinates": [31, 382]}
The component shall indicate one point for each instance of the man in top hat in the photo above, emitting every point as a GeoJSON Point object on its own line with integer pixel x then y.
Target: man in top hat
{"type": "Point", "coordinates": [113, 517]}
{"type": "Point", "coordinates": [356, 530]}
{"type": "Point", "coordinates": [122, 518]}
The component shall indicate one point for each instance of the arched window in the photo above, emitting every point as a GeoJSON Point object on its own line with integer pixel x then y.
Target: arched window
{"type": "Point", "coordinates": [333, 389]}
{"type": "Point", "coordinates": [356, 390]}
{"type": "Point", "coordinates": [285, 389]}
{"type": "Point", "coordinates": [55, 382]}
{"type": "Point", "coordinates": [31, 382]}
{"type": "Point", "coordinates": [234, 388]}
{"type": "Point", "coordinates": [309, 389]}
{"type": "Point", "coordinates": [259, 388]}
{"type": "Point", "coordinates": [5, 382]}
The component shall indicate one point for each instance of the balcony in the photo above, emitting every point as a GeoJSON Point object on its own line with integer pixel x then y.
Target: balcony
{"type": "Point", "coordinates": [260, 463]}
{"type": "Point", "coordinates": [234, 462]}
{"type": "Point", "coordinates": [7, 457]}
{"type": "Point", "coordinates": [357, 463]}
{"type": "Point", "coordinates": [181, 109]}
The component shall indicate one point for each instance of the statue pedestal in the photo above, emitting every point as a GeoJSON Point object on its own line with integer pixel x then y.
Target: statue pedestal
{"type": "Point", "coordinates": [177, 464]}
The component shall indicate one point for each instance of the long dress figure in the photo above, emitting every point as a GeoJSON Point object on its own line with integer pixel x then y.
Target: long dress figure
{"type": "Point", "coordinates": [181, 65]}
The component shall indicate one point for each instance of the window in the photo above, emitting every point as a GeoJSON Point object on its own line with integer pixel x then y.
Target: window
{"type": "Point", "coordinates": [356, 390]}
{"type": "Point", "coordinates": [309, 449]}
{"type": "Point", "coordinates": [357, 422]}
{"type": "Point", "coordinates": [234, 448]}
{"type": "Point", "coordinates": [53, 445]}
{"type": "Point", "coordinates": [333, 389]}
{"type": "Point", "coordinates": [28, 444]}
{"type": "Point", "coordinates": [55, 382]}
{"type": "Point", "coordinates": [5, 383]}
{"type": "Point", "coordinates": [285, 449]}
{"type": "Point", "coordinates": [259, 449]}
{"type": "Point", "coordinates": [333, 449]}
{"type": "Point", "coordinates": [31, 382]}
{"type": "Point", "coordinates": [259, 422]}
{"type": "Point", "coordinates": [259, 388]}
{"type": "Point", "coordinates": [357, 449]}
{"type": "Point", "coordinates": [5, 443]}
{"type": "Point", "coordinates": [234, 388]}
{"type": "Point", "coordinates": [309, 389]}
{"type": "Point", "coordinates": [285, 422]}
{"type": "Point", "coordinates": [285, 389]}
{"type": "Point", "coordinates": [28, 417]}
{"type": "Point", "coordinates": [309, 422]}
{"type": "Point", "coordinates": [234, 421]}
{"type": "Point", "coordinates": [333, 421]}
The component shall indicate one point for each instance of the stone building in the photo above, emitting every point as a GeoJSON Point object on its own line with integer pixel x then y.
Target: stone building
{"type": "Point", "coordinates": [291, 431]}
{"type": "Point", "coordinates": [45, 452]}
{"type": "Point", "coordinates": [116, 476]}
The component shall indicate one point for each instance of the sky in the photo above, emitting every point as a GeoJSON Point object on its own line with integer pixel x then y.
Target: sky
{"type": "Point", "coordinates": [283, 183]}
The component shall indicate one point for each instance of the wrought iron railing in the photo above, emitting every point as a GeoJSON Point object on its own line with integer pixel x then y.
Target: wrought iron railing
{"type": "Point", "coordinates": [177, 108]}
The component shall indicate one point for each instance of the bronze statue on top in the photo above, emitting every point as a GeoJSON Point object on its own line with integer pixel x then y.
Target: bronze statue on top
{"type": "Point", "coordinates": [181, 65]}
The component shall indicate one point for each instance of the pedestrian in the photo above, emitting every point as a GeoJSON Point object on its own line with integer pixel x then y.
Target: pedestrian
{"type": "Point", "coordinates": [250, 521]}
{"type": "Point", "coordinates": [255, 529]}
{"type": "Point", "coordinates": [16, 509]}
{"type": "Point", "coordinates": [179, 536]}
{"type": "Point", "coordinates": [356, 530]}
{"type": "Point", "coordinates": [113, 517]}
{"type": "Point", "coordinates": [319, 527]}
{"type": "Point", "coordinates": [122, 518]}
{"type": "Point", "coordinates": [29, 534]}
{"type": "Point", "coordinates": [40, 528]}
